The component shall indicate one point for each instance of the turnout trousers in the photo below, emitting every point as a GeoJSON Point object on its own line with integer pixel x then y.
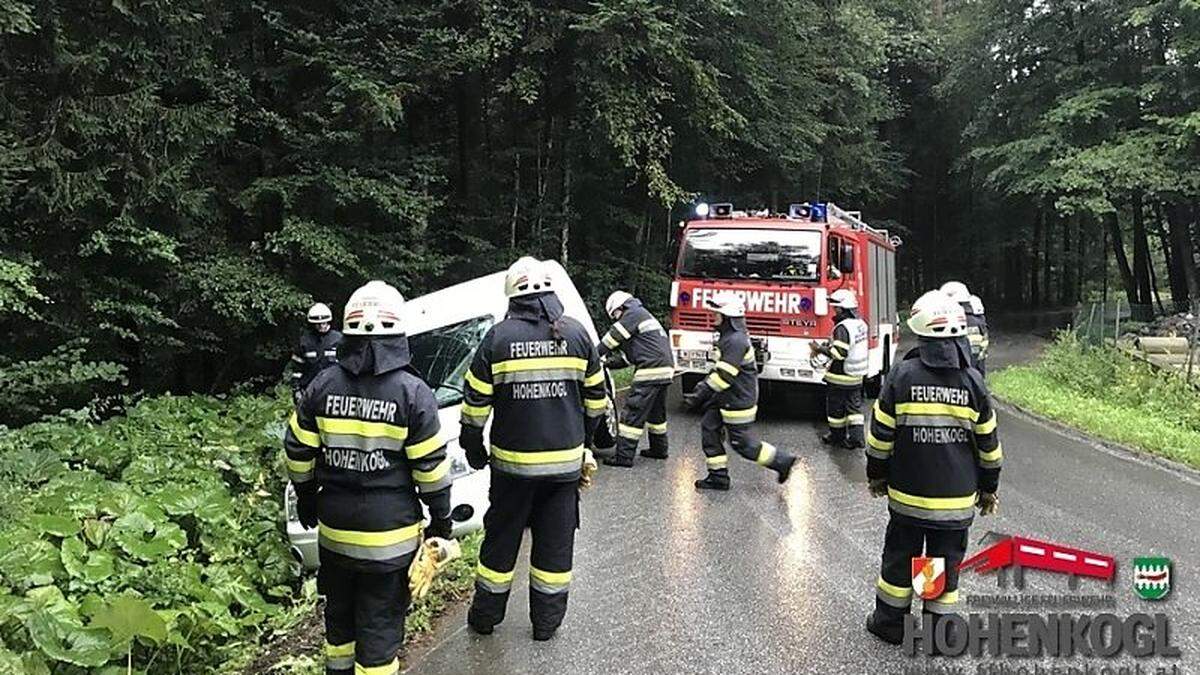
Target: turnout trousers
{"type": "Point", "coordinates": [717, 423]}
{"type": "Point", "coordinates": [645, 409]}
{"type": "Point", "coordinates": [843, 412]}
{"type": "Point", "coordinates": [904, 541]}
{"type": "Point", "coordinates": [364, 619]}
{"type": "Point", "coordinates": [551, 512]}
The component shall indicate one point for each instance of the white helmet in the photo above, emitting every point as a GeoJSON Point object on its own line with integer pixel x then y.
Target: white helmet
{"type": "Point", "coordinates": [320, 313]}
{"type": "Point", "coordinates": [374, 309]}
{"type": "Point", "coordinates": [935, 315]}
{"type": "Point", "coordinates": [956, 291]}
{"type": "Point", "coordinates": [976, 305]}
{"type": "Point", "coordinates": [527, 276]}
{"type": "Point", "coordinates": [843, 298]}
{"type": "Point", "coordinates": [614, 302]}
{"type": "Point", "coordinates": [727, 304]}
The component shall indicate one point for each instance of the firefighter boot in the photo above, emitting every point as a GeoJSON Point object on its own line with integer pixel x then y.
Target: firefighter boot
{"type": "Point", "coordinates": [784, 468]}
{"type": "Point", "coordinates": [658, 446]}
{"type": "Point", "coordinates": [891, 633]}
{"type": "Point", "coordinates": [715, 480]}
{"type": "Point", "coordinates": [831, 438]}
{"type": "Point", "coordinates": [618, 460]}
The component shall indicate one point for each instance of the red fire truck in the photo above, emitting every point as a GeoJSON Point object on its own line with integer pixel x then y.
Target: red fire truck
{"type": "Point", "coordinates": [784, 267]}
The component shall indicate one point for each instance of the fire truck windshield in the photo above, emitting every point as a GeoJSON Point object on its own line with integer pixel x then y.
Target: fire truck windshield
{"type": "Point", "coordinates": [781, 255]}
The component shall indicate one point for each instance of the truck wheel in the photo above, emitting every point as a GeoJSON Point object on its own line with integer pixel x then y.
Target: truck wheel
{"type": "Point", "coordinates": [688, 381]}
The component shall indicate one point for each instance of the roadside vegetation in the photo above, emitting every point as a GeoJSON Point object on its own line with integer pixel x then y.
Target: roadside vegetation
{"type": "Point", "coordinates": [155, 541]}
{"type": "Point", "coordinates": [1101, 391]}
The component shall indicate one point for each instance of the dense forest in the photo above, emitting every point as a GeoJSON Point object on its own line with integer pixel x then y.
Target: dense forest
{"type": "Point", "coordinates": [179, 179]}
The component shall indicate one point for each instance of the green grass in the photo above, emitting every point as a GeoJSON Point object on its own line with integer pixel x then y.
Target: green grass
{"type": "Point", "coordinates": [1104, 393]}
{"type": "Point", "coordinates": [621, 378]}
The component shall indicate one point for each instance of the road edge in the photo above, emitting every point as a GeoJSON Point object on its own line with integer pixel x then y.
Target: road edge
{"type": "Point", "coordinates": [1113, 448]}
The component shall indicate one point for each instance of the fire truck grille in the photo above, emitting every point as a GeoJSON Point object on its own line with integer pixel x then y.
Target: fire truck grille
{"type": "Point", "coordinates": [702, 320]}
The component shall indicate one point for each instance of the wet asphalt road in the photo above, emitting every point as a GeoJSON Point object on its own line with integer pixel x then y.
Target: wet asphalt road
{"type": "Point", "coordinates": [778, 579]}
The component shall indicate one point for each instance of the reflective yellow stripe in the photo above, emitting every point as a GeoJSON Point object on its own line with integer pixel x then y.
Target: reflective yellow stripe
{"type": "Point", "coordinates": [492, 575]}
{"type": "Point", "coordinates": [439, 472]}
{"type": "Point", "coordinates": [629, 431]}
{"type": "Point", "coordinates": [884, 418]}
{"type": "Point", "coordinates": [843, 379]}
{"type": "Point", "coordinates": [387, 669]}
{"type": "Point", "coordinates": [933, 503]}
{"type": "Point", "coordinates": [993, 456]}
{"type": "Point", "coordinates": [987, 427]}
{"type": "Point", "coordinates": [901, 592]}
{"type": "Point", "coordinates": [594, 379]}
{"type": "Point", "coordinates": [622, 330]}
{"type": "Point", "coordinates": [544, 363]}
{"type": "Point", "coordinates": [885, 446]}
{"type": "Point", "coordinates": [556, 578]}
{"type": "Point", "coordinates": [657, 428]}
{"type": "Point", "coordinates": [653, 373]}
{"type": "Point", "coordinates": [419, 450]}
{"type": "Point", "coordinates": [841, 345]}
{"type": "Point", "coordinates": [610, 341]}
{"type": "Point", "coordinates": [595, 404]}
{"type": "Point", "coordinates": [739, 415]}
{"type": "Point", "coordinates": [476, 410]}
{"type": "Point", "coordinates": [947, 598]}
{"type": "Point", "coordinates": [717, 381]}
{"type": "Point", "coordinates": [959, 411]}
{"type": "Point", "coordinates": [479, 385]}
{"type": "Point", "coordinates": [296, 466]}
{"type": "Point", "coordinates": [718, 462]}
{"type": "Point", "coordinates": [309, 438]}
{"type": "Point", "coordinates": [749, 357]}
{"type": "Point", "coordinates": [382, 538]}
{"type": "Point", "coordinates": [335, 425]}
{"type": "Point", "coordinates": [339, 650]}
{"type": "Point", "coordinates": [538, 456]}
{"type": "Point", "coordinates": [728, 367]}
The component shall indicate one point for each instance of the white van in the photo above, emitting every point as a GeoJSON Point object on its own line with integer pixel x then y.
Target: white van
{"type": "Point", "coordinates": [444, 328]}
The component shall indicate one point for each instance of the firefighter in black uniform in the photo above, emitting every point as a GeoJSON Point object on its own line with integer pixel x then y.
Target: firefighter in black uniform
{"type": "Point", "coordinates": [977, 331]}
{"type": "Point", "coordinates": [729, 399]}
{"type": "Point", "coordinates": [363, 446]}
{"type": "Point", "coordinates": [317, 349]}
{"type": "Point", "coordinates": [848, 352]}
{"type": "Point", "coordinates": [642, 343]}
{"type": "Point", "coordinates": [932, 449]}
{"type": "Point", "coordinates": [539, 372]}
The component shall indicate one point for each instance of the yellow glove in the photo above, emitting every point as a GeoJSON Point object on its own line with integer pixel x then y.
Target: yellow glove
{"type": "Point", "coordinates": [431, 558]}
{"type": "Point", "coordinates": [989, 503]}
{"type": "Point", "coordinates": [589, 469]}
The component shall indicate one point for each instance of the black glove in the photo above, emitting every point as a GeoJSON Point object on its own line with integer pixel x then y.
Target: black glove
{"type": "Point", "coordinates": [616, 361]}
{"type": "Point", "coordinates": [471, 440]}
{"type": "Point", "coordinates": [696, 399]}
{"type": "Point", "coordinates": [439, 528]}
{"type": "Point", "coordinates": [306, 504]}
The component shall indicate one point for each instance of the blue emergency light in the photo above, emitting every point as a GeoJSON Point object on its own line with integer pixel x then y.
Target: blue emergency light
{"type": "Point", "coordinates": [819, 212]}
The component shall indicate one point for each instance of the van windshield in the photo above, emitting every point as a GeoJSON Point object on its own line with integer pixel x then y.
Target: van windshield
{"type": "Point", "coordinates": [442, 356]}
{"type": "Point", "coordinates": [781, 255]}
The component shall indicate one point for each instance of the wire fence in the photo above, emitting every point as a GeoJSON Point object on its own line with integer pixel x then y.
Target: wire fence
{"type": "Point", "coordinates": [1169, 341]}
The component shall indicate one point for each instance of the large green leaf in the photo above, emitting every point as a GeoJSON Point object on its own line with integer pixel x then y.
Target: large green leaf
{"type": "Point", "coordinates": [59, 526]}
{"type": "Point", "coordinates": [127, 617]}
{"type": "Point", "coordinates": [54, 626]}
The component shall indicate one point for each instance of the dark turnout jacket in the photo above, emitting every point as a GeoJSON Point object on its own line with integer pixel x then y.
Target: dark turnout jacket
{"type": "Point", "coordinates": [734, 378]}
{"type": "Point", "coordinates": [537, 372]}
{"type": "Point", "coordinates": [933, 437]}
{"type": "Point", "coordinates": [643, 341]}
{"type": "Point", "coordinates": [367, 432]}
{"type": "Point", "coordinates": [314, 352]}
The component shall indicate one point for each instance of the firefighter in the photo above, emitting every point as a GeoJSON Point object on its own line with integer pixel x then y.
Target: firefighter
{"type": "Point", "coordinates": [638, 339]}
{"type": "Point", "coordinates": [728, 398]}
{"type": "Point", "coordinates": [539, 373]}
{"type": "Point", "coordinates": [985, 342]}
{"type": "Point", "coordinates": [316, 350]}
{"type": "Point", "coordinates": [848, 350]}
{"type": "Point", "coordinates": [932, 449]}
{"type": "Point", "coordinates": [363, 446]}
{"type": "Point", "coordinates": [976, 336]}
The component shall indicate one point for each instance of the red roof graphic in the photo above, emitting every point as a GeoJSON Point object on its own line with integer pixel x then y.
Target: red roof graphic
{"type": "Point", "coordinates": [1041, 555]}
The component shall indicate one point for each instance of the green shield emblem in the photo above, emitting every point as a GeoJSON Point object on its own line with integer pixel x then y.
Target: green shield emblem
{"type": "Point", "coordinates": [1152, 577]}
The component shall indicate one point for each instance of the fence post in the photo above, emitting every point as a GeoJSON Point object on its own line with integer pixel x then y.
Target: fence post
{"type": "Point", "coordinates": [1117, 330]}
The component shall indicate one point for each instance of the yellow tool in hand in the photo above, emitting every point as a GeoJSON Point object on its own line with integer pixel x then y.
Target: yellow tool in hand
{"type": "Point", "coordinates": [589, 469]}
{"type": "Point", "coordinates": [431, 558]}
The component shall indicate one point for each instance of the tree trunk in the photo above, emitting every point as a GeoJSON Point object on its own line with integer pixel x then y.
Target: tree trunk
{"type": "Point", "coordinates": [1066, 265]}
{"type": "Point", "coordinates": [1118, 247]}
{"type": "Point", "coordinates": [1144, 309]}
{"type": "Point", "coordinates": [1035, 295]}
{"type": "Point", "coordinates": [1174, 277]}
{"type": "Point", "coordinates": [1047, 264]}
{"type": "Point", "coordinates": [1184, 258]}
